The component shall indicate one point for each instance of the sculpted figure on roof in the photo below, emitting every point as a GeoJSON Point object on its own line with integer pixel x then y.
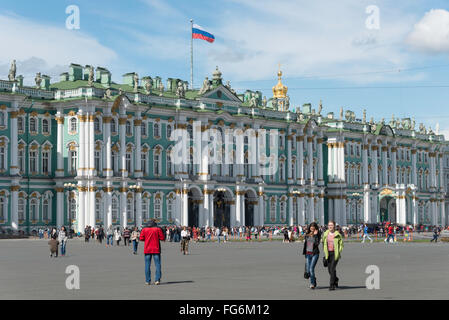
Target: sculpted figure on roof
{"type": "Point", "coordinates": [253, 101]}
{"type": "Point", "coordinates": [12, 71]}
{"type": "Point", "coordinates": [90, 80]}
{"type": "Point", "coordinates": [180, 93]}
{"type": "Point", "coordinates": [38, 80]}
{"type": "Point", "coordinates": [136, 81]}
{"type": "Point", "coordinates": [205, 87]}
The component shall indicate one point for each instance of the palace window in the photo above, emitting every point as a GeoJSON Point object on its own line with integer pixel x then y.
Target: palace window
{"type": "Point", "coordinates": [33, 161]}
{"type": "Point", "coordinates": [72, 210]}
{"type": "Point", "coordinates": [73, 161]}
{"type": "Point", "coordinates": [170, 209]}
{"type": "Point", "coordinates": [97, 209]}
{"type": "Point", "coordinates": [21, 209]}
{"type": "Point", "coordinates": [45, 126]}
{"type": "Point", "coordinates": [20, 124]}
{"type": "Point", "coordinates": [21, 160]}
{"type": "Point", "coordinates": [156, 164]}
{"type": "Point", "coordinates": [114, 210]}
{"type": "Point", "coordinates": [281, 170]}
{"type": "Point", "coordinates": [145, 215]}
{"type": "Point", "coordinates": [97, 127]}
{"type": "Point", "coordinates": [46, 210]}
{"type": "Point", "coordinates": [33, 125]}
{"type": "Point", "coordinates": [114, 163]}
{"type": "Point", "coordinates": [2, 118]}
{"type": "Point", "coordinates": [128, 128]}
{"type": "Point", "coordinates": [157, 208]}
{"type": "Point", "coordinates": [282, 211]}
{"type": "Point", "coordinates": [34, 212]}
{"type": "Point", "coordinates": [73, 125]}
{"type": "Point", "coordinates": [129, 209]}
{"type": "Point", "coordinates": [3, 210]}
{"type": "Point", "coordinates": [128, 162]}
{"type": "Point", "coordinates": [273, 209]}
{"type": "Point", "coordinates": [113, 126]}
{"type": "Point", "coordinates": [156, 130]}
{"type": "Point", "coordinates": [169, 130]}
{"type": "Point", "coordinates": [97, 160]}
{"type": "Point", "coordinates": [2, 158]}
{"type": "Point", "coordinates": [143, 129]}
{"type": "Point", "coordinates": [45, 162]}
{"type": "Point", "coordinates": [169, 164]}
{"type": "Point", "coordinates": [143, 163]}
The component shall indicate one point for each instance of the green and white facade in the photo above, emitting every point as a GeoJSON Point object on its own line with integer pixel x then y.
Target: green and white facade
{"type": "Point", "coordinates": [111, 141]}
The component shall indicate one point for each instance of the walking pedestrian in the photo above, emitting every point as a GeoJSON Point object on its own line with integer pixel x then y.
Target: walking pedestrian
{"type": "Point", "coordinates": [390, 234]}
{"type": "Point", "coordinates": [436, 232]}
{"type": "Point", "coordinates": [365, 234]}
{"type": "Point", "coordinates": [185, 238]}
{"type": "Point", "coordinates": [152, 235]}
{"type": "Point", "coordinates": [117, 236]}
{"type": "Point", "coordinates": [53, 244]}
{"type": "Point", "coordinates": [217, 234]}
{"type": "Point", "coordinates": [109, 236]}
{"type": "Point", "coordinates": [332, 246]}
{"type": "Point", "coordinates": [135, 239]}
{"type": "Point", "coordinates": [62, 238]}
{"type": "Point", "coordinates": [126, 235]}
{"type": "Point", "coordinates": [312, 252]}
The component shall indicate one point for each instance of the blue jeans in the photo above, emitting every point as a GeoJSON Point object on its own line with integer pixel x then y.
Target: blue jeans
{"type": "Point", "coordinates": [311, 261]}
{"type": "Point", "coordinates": [109, 240]}
{"type": "Point", "coordinates": [218, 239]}
{"type": "Point", "coordinates": [157, 262]}
{"type": "Point", "coordinates": [390, 236]}
{"type": "Point", "coordinates": [135, 245]}
{"type": "Point", "coordinates": [63, 244]}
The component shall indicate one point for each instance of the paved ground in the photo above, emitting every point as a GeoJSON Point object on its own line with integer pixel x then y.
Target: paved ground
{"type": "Point", "coordinates": [267, 270]}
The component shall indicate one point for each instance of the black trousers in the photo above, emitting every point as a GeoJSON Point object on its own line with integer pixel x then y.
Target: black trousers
{"type": "Point", "coordinates": [332, 268]}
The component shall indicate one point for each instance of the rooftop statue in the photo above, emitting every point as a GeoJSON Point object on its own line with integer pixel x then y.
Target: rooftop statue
{"type": "Point", "coordinates": [371, 121]}
{"type": "Point", "coordinates": [364, 116]}
{"type": "Point", "coordinates": [161, 87]}
{"type": "Point", "coordinates": [320, 108]}
{"type": "Point", "coordinates": [274, 103]}
{"type": "Point", "coordinates": [413, 124]}
{"type": "Point", "coordinates": [430, 131]}
{"type": "Point", "coordinates": [382, 121]}
{"type": "Point", "coordinates": [107, 94]}
{"type": "Point", "coordinates": [38, 80]}
{"type": "Point", "coordinates": [180, 93]}
{"type": "Point", "coordinates": [148, 85]}
{"type": "Point", "coordinates": [12, 71]}
{"type": "Point", "coordinates": [136, 81]}
{"type": "Point", "coordinates": [264, 102]}
{"type": "Point", "coordinates": [341, 113]}
{"type": "Point", "coordinates": [120, 91]}
{"type": "Point", "coordinates": [90, 80]}
{"type": "Point", "coordinates": [287, 103]}
{"type": "Point", "coordinates": [205, 87]}
{"type": "Point", "coordinates": [253, 101]}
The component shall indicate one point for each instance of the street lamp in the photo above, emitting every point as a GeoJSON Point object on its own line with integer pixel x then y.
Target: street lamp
{"type": "Point", "coordinates": [70, 187]}
{"type": "Point", "coordinates": [357, 195]}
{"type": "Point", "coordinates": [134, 188]}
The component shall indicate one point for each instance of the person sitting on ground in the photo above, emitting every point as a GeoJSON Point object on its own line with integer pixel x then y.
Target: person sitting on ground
{"type": "Point", "coordinates": [53, 244]}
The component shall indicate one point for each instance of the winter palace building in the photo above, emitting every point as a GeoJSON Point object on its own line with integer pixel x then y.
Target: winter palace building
{"type": "Point", "coordinates": [88, 151]}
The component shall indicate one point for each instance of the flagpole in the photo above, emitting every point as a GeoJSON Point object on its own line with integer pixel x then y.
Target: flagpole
{"type": "Point", "coordinates": [191, 54]}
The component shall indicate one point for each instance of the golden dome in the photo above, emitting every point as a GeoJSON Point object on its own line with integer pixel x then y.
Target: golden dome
{"type": "Point", "coordinates": [279, 90]}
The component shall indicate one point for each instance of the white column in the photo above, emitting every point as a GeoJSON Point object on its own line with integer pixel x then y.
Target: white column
{"type": "Point", "coordinates": [443, 212]}
{"type": "Point", "coordinates": [137, 132]}
{"type": "Point", "coordinates": [385, 166]}
{"type": "Point", "coordinates": [394, 165]}
{"type": "Point", "coordinates": [91, 144]}
{"type": "Point", "coordinates": [82, 145]}
{"type": "Point", "coordinates": [321, 208]}
{"type": "Point", "coordinates": [310, 159]}
{"type": "Point", "coordinates": [123, 191]}
{"type": "Point", "coordinates": [14, 207]}
{"type": "Point", "coordinates": [185, 206]}
{"type": "Point", "coordinates": [432, 170]}
{"type": "Point", "coordinates": [59, 206]}
{"type": "Point", "coordinates": [311, 213]}
{"type": "Point", "coordinates": [233, 215]}
{"type": "Point", "coordinates": [433, 204]}
{"type": "Point", "coordinates": [205, 213]}
{"type": "Point", "coordinates": [261, 208]}
{"type": "Point", "coordinates": [374, 168]}
{"type": "Point", "coordinates": [108, 206]}
{"type": "Point", "coordinates": [366, 205]}
{"type": "Point", "coordinates": [139, 207]}
{"type": "Point", "coordinates": [14, 165]}
{"type": "Point", "coordinates": [211, 207]}
{"type": "Point", "coordinates": [343, 210]}
{"type": "Point", "coordinates": [415, 209]}
{"type": "Point", "coordinates": [302, 219]}
{"type": "Point", "coordinates": [107, 142]}
{"type": "Point", "coordinates": [178, 206]}
{"type": "Point", "coordinates": [238, 208]}
{"type": "Point", "coordinates": [290, 209]}
{"type": "Point", "coordinates": [81, 208]}
{"type": "Point", "coordinates": [300, 159]}
{"type": "Point", "coordinates": [365, 164]}
{"type": "Point", "coordinates": [330, 209]}
{"type": "Point", "coordinates": [289, 158]}
{"type": "Point", "coordinates": [122, 153]}
{"type": "Point", "coordinates": [91, 212]}
{"type": "Point", "coordinates": [204, 167]}
{"type": "Point", "coordinates": [320, 161]}
{"type": "Point", "coordinates": [441, 173]}
{"type": "Point", "coordinates": [414, 170]}
{"type": "Point", "coordinates": [60, 145]}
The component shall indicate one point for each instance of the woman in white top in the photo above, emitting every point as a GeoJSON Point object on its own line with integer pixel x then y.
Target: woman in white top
{"type": "Point", "coordinates": [117, 235]}
{"type": "Point", "coordinates": [185, 241]}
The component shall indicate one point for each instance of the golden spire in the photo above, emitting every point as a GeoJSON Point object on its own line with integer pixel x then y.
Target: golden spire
{"type": "Point", "coordinates": [279, 90]}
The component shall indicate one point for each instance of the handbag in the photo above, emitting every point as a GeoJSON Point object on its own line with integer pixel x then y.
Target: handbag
{"type": "Point", "coordinates": [325, 262]}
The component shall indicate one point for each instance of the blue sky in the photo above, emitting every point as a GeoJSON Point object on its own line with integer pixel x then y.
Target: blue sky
{"type": "Point", "coordinates": [324, 48]}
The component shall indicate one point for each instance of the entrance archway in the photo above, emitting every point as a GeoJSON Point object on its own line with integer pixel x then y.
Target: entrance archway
{"type": "Point", "coordinates": [250, 202]}
{"type": "Point", "coordinates": [194, 200]}
{"type": "Point", "coordinates": [222, 209]}
{"type": "Point", "coordinates": [387, 209]}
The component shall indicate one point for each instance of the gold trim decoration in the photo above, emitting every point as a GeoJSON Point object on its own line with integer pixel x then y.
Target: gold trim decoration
{"type": "Point", "coordinates": [137, 122]}
{"type": "Point", "coordinates": [309, 139]}
{"type": "Point", "coordinates": [91, 118]}
{"type": "Point", "coordinates": [14, 188]}
{"type": "Point", "coordinates": [122, 121]}
{"type": "Point", "coordinates": [107, 119]}
{"type": "Point", "coordinates": [123, 189]}
{"type": "Point", "coordinates": [108, 189]}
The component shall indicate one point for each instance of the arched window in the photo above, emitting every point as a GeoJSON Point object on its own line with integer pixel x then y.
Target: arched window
{"type": "Point", "coordinates": [157, 208]}
{"type": "Point", "coordinates": [33, 125]}
{"type": "Point", "coordinates": [143, 128]}
{"type": "Point", "coordinates": [128, 128]}
{"type": "Point", "coordinates": [2, 158]}
{"type": "Point", "coordinates": [168, 131]}
{"type": "Point", "coordinates": [97, 210]}
{"type": "Point", "coordinates": [34, 213]}
{"type": "Point", "coordinates": [145, 207]}
{"type": "Point", "coordinates": [20, 124]}
{"type": "Point", "coordinates": [45, 162]}
{"type": "Point", "coordinates": [170, 209]}
{"type": "Point", "coordinates": [33, 161]}
{"type": "Point", "coordinates": [282, 170]}
{"type": "Point", "coordinates": [273, 209]}
{"type": "Point", "coordinates": [3, 211]}
{"type": "Point", "coordinates": [156, 163]}
{"type": "Point", "coordinates": [72, 210]}
{"type": "Point", "coordinates": [282, 210]}
{"type": "Point", "coordinates": [128, 162]}
{"type": "Point", "coordinates": [73, 161]}
{"type": "Point", "coordinates": [156, 130]}
{"type": "Point", "coordinates": [169, 164]}
{"type": "Point", "coordinates": [129, 209]}
{"type": "Point", "coordinates": [114, 210]}
{"type": "Point", "coordinates": [97, 127]}
{"type": "Point", "coordinates": [143, 163]}
{"type": "Point", "coordinates": [2, 119]}
{"type": "Point", "coordinates": [45, 126]}
{"type": "Point", "coordinates": [45, 210]}
{"type": "Point", "coordinates": [73, 124]}
{"type": "Point", "coordinates": [21, 209]}
{"type": "Point", "coordinates": [113, 126]}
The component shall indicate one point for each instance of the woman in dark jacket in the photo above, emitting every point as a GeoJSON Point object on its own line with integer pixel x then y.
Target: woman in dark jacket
{"type": "Point", "coordinates": [311, 250]}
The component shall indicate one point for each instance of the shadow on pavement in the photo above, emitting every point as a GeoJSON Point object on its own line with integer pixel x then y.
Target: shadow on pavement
{"type": "Point", "coordinates": [175, 282]}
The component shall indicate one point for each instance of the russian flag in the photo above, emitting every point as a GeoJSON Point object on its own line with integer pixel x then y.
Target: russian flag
{"type": "Point", "coordinates": [199, 33]}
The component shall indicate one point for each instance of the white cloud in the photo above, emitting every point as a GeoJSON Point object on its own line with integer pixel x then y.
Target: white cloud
{"type": "Point", "coordinates": [431, 33]}
{"type": "Point", "coordinates": [47, 49]}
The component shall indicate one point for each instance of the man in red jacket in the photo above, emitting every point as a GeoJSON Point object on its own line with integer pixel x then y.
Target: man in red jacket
{"type": "Point", "coordinates": [152, 235]}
